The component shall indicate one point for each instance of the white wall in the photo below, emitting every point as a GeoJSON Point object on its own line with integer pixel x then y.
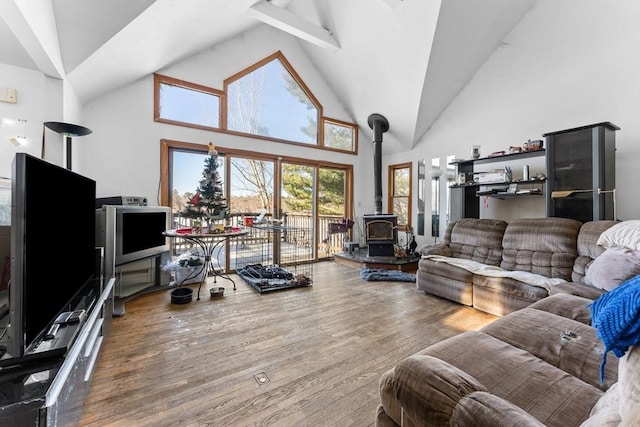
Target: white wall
{"type": "Point", "coordinates": [123, 152]}
{"type": "Point", "coordinates": [566, 64]}
{"type": "Point", "coordinates": [39, 99]}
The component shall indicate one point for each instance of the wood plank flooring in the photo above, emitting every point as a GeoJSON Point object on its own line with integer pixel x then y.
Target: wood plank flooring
{"type": "Point", "coordinates": [322, 349]}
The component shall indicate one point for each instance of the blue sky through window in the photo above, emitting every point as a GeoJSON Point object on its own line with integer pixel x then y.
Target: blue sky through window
{"type": "Point", "coordinates": [260, 103]}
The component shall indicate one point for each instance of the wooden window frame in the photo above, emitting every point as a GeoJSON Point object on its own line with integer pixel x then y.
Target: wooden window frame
{"type": "Point", "coordinates": [354, 129]}
{"type": "Point", "coordinates": [392, 196]}
{"type": "Point", "coordinates": [222, 94]}
{"type": "Point", "coordinates": [159, 79]}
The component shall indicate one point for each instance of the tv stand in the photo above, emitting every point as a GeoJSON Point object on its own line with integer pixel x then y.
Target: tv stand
{"type": "Point", "coordinates": [138, 278]}
{"type": "Point", "coordinates": [51, 391]}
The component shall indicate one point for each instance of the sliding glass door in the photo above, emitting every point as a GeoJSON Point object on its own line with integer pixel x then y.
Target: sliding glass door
{"type": "Point", "coordinates": [292, 192]}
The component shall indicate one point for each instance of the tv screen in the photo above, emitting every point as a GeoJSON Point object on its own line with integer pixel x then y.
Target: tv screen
{"type": "Point", "coordinates": [52, 208]}
{"type": "Point", "coordinates": [131, 233]}
{"type": "Point", "coordinates": [142, 230]}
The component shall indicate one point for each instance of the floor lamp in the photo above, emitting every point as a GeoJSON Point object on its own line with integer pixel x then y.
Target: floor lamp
{"type": "Point", "coordinates": [561, 194]}
{"type": "Point", "coordinates": [68, 130]}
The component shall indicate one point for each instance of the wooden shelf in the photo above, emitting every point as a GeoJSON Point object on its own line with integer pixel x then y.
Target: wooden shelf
{"type": "Point", "coordinates": [477, 184]}
{"type": "Point", "coordinates": [504, 196]}
{"type": "Point", "coordinates": [502, 158]}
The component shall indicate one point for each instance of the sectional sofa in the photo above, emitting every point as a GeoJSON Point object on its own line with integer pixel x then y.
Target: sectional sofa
{"type": "Point", "coordinates": [546, 361]}
{"type": "Point", "coordinates": [500, 267]}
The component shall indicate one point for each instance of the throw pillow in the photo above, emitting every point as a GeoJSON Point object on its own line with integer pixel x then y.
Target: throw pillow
{"type": "Point", "coordinates": [616, 265]}
{"type": "Point", "coordinates": [626, 233]}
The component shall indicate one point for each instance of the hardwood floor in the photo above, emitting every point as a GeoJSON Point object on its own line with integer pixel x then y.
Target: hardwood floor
{"type": "Point", "coordinates": [321, 348]}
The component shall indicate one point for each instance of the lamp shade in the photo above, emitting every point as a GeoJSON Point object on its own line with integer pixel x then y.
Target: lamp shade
{"type": "Point", "coordinates": [67, 129]}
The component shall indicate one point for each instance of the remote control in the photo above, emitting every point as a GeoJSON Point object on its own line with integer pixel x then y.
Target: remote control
{"type": "Point", "coordinates": [51, 333]}
{"type": "Point", "coordinates": [62, 317]}
{"type": "Point", "coordinates": [75, 316]}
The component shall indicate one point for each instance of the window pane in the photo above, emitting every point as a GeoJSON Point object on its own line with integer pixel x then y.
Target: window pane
{"type": "Point", "coordinates": [297, 186]}
{"type": "Point", "coordinates": [186, 173]}
{"type": "Point", "coordinates": [269, 102]}
{"type": "Point", "coordinates": [331, 192]}
{"type": "Point", "coordinates": [297, 205]}
{"type": "Point", "coordinates": [401, 182]}
{"type": "Point", "coordinates": [251, 186]}
{"type": "Point", "coordinates": [401, 209]}
{"type": "Point", "coordinates": [189, 106]}
{"type": "Point", "coordinates": [338, 136]}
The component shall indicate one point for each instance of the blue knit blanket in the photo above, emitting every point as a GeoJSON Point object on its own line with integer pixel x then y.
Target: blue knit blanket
{"type": "Point", "coordinates": [616, 316]}
{"type": "Point", "coordinates": [371, 274]}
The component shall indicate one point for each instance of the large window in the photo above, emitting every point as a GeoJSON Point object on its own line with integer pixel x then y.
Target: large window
{"type": "Point", "coordinates": [400, 194]}
{"type": "Point", "coordinates": [305, 193]}
{"type": "Point", "coordinates": [340, 135]}
{"type": "Point", "coordinates": [179, 102]}
{"type": "Point", "coordinates": [267, 100]}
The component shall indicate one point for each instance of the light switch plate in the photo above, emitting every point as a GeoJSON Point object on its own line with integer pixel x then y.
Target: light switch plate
{"type": "Point", "coordinates": [8, 95]}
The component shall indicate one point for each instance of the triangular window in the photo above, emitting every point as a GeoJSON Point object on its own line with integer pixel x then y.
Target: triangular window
{"type": "Point", "coordinates": [269, 100]}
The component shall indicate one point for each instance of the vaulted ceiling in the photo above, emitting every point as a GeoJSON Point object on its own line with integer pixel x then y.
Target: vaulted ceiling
{"type": "Point", "coordinates": [404, 59]}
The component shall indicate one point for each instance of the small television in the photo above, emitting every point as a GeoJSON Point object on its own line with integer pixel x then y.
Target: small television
{"type": "Point", "coordinates": [52, 208]}
{"type": "Point", "coordinates": [131, 233]}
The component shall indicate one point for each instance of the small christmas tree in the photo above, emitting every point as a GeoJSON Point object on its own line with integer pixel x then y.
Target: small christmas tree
{"type": "Point", "coordinates": [208, 203]}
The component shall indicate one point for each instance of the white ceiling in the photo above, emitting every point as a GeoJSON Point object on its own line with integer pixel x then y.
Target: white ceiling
{"type": "Point", "coordinates": [404, 59]}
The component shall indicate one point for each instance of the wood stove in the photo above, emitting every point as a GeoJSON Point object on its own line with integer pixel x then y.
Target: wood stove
{"type": "Point", "coordinates": [381, 234]}
{"type": "Point", "coordinates": [381, 231]}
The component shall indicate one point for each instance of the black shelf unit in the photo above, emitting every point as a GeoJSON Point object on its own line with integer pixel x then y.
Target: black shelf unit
{"type": "Point", "coordinates": [464, 201]}
{"type": "Point", "coordinates": [582, 159]}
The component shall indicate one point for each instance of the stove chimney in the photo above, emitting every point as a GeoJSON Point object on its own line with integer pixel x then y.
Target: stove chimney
{"type": "Point", "coordinates": [380, 125]}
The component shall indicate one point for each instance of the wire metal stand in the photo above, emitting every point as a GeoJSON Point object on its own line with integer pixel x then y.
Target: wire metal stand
{"type": "Point", "coordinates": [276, 257]}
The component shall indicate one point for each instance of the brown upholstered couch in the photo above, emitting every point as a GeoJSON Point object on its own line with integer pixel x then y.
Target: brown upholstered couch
{"type": "Point", "coordinates": [537, 366]}
{"type": "Point", "coordinates": [557, 248]}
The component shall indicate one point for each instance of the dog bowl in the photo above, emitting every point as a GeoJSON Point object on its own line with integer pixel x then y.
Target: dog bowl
{"type": "Point", "coordinates": [216, 292]}
{"type": "Point", "coordinates": [181, 295]}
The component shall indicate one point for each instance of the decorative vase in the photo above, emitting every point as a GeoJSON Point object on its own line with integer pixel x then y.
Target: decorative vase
{"type": "Point", "coordinates": [475, 152]}
{"type": "Point", "coordinates": [413, 245]}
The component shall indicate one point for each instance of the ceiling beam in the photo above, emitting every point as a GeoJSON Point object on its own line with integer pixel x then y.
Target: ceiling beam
{"type": "Point", "coordinates": [288, 22]}
{"type": "Point", "coordinates": [33, 24]}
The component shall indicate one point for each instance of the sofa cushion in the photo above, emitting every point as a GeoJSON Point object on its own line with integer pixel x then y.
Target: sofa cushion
{"type": "Point", "coordinates": [446, 281]}
{"type": "Point", "coordinates": [504, 295]}
{"type": "Point", "coordinates": [588, 250]}
{"type": "Point", "coordinates": [546, 246]}
{"type": "Point", "coordinates": [478, 239]}
{"type": "Point", "coordinates": [383, 419]}
{"type": "Point", "coordinates": [388, 400]}
{"type": "Point", "coordinates": [429, 388]}
{"type": "Point", "coordinates": [616, 265]}
{"type": "Point", "coordinates": [566, 305]}
{"type": "Point", "coordinates": [481, 409]}
{"type": "Point", "coordinates": [577, 288]}
{"type": "Point", "coordinates": [549, 394]}
{"type": "Point", "coordinates": [564, 343]}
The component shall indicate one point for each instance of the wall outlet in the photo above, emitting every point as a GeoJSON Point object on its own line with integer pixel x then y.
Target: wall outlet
{"type": "Point", "coordinates": [8, 95]}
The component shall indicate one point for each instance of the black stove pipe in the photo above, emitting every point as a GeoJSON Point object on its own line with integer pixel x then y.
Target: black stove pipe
{"type": "Point", "coordinates": [380, 125]}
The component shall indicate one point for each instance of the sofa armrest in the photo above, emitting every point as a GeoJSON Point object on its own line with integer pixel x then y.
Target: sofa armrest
{"type": "Point", "coordinates": [483, 409]}
{"type": "Point", "coordinates": [429, 389]}
{"type": "Point", "coordinates": [436, 249]}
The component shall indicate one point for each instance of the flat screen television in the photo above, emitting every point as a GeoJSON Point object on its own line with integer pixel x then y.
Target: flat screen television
{"type": "Point", "coordinates": [131, 233]}
{"type": "Point", "coordinates": [52, 208]}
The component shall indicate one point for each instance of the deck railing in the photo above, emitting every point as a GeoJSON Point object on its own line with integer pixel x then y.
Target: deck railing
{"type": "Point", "coordinates": [327, 242]}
